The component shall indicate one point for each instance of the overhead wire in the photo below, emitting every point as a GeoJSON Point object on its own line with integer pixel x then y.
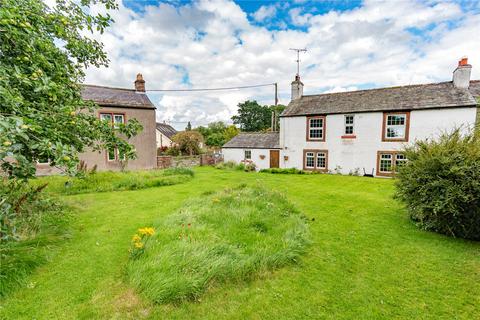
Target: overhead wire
{"type": "Point", "coordinates": [212, 89]}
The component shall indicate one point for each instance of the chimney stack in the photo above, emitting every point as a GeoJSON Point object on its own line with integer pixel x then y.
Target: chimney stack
{"type": "Point", "coordinates": [461, 75]}
{"type": "Point", "coordinates": [140, 83]}
{"type": "Point", "coordinates": [297, 88]}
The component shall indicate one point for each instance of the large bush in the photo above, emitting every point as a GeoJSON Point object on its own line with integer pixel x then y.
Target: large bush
{"type": "Point", "coordinates": [440, 184]}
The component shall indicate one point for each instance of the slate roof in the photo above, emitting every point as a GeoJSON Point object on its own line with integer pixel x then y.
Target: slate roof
{"type": "Point", "coordinates": [422, 96]}
{"type": "Point", "coordinates": [475, 88]}
{"type": "Point", "coordinates": [255, 140]}
{"type": "Point", "coordinates": [166, 129]}
{"type": "Point", "coordinates": [116, 97]}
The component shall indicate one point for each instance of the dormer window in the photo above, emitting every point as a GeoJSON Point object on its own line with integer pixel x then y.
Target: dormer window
{"type": "Point", "coordinates": [316, 128]}
{"type": "Point", "coordinates": [396, 126]}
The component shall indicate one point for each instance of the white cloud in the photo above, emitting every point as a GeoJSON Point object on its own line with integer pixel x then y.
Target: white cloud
{"type": "Point", "coordinates": [211, 43]}
{"type": "Point", "coordinates": [264, 13]}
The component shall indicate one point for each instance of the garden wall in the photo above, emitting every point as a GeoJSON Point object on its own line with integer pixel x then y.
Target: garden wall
{"type": "Point", "coordinates": [187, 161]}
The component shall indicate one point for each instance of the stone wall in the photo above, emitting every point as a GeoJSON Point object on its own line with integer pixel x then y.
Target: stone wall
{"type": "Point", "coordinates": [187, 161]}
{"type": "Point", "coordinates": [164, 162]}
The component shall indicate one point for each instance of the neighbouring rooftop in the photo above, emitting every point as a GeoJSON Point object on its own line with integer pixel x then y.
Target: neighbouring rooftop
{"type": "Point", "coordinates": [116, 97]}
{"type": "Point", "coordinates": [166, 130]}
{"type": "Point", "coordinates": [255, 140]}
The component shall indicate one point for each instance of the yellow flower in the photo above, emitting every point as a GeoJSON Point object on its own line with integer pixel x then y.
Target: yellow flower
{"type": "Point", "coordinates": [136, 238]}
{"type": "Point", "coordinates": [146, 231]}
{"type": "Point", "coordinates": [216, 200]}
{"type": "Point", "coordinates": [138, 245]}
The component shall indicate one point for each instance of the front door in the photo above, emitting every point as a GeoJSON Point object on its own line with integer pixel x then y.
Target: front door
{"type": "Point", "coordinates": [274, 158]}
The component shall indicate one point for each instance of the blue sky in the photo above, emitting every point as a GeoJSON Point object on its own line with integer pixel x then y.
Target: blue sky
{"type": "Point", "coordinates": [216, 43]}
{"type": "Point", "coordinates": [281, 9]}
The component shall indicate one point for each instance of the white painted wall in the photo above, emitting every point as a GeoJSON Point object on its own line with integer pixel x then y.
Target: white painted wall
{"type": "Point", "coordinates": [237, 155]}
{"type": "Point", "coordinates": [361, 152]}
{"type": "Point", "coordinates": [163, 140]}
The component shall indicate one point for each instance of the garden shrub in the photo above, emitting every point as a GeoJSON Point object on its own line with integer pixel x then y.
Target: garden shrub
{"type": "Point", "coordinates": [227, 236]}
{"type": "Point", "coordinates": [31, 225]}
{"type": "Point", "coordinates": [440, 184]}
{"type": "Point", "coordinates": [226, 165]}
{"type": "Point", "coordinates": [232, 165]}
{"type": "Point", "coordinates": [250, 167]}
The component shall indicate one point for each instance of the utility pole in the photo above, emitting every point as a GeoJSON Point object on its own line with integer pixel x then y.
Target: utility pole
{"type": "Point", "coordinates": [276, 93]}
{"type": "Point", "coordinates": [274, 112]}
{"type": "Point", "coordinates": [298, 50]}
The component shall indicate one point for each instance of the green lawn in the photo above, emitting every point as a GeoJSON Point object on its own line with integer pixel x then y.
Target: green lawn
{"type": "Point", "coordinates": [367, 260]}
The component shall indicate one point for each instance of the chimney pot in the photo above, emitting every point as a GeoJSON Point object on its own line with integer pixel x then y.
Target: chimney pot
{"type": "Point", "coordinates": [139, 83]}
{"type": "Point", "coordinates": [297, 88]}
{"type": "Point", "coordinates": [463, 61]}
{"type": "Point", "coordinates": [461, 75]}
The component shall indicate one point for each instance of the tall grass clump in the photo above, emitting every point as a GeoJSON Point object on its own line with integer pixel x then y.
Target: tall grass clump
{"type": "Point", "coordinates": [229, 236]}
{"type": "Point", "coordinates": [117, 181]}
{"type": "Point", "coordinates": [31, 225]}
{"type": "Point", "coordinates": [440, 184]}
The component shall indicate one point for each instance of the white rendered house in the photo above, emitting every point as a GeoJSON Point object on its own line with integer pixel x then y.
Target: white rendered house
{"type": "Point", "coordinates": [164, 134]}
{"type": "Point", "coordinates": [364, 131]}
{"type": "Point", "coordinates": [263, 149]}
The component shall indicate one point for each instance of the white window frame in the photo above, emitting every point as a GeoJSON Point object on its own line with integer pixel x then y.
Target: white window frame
{"type": "Point", "coordinates": [395, 128]}
{"type": "Point", "coordinates": [321, 155]}
{"type": "Point", "coordinates": [314, 155]}
{"type": "Point", "coordinates": [320, 128]}
{"type": "Point", "coordinates": [348, 125]}
{"type": "Point", "coordinates": [104, 115]}
{"type": "Point", "coordinates": [245, 155]}
{"type": "Point", "coordinates": [390, 155]}
{"type": "Point", "coordinates": [398, 161]}
{"type": "Point", "coordinates": [116, 124]}
{"type": "Point", "coordinates": [396, 157]}
{"type": "Point", "coordinates": [40, 161]}
{"type": "Point", "coordinates": [311, 155]}
{"type": "Point", "coordinates": [114, 155]}
{"type": "Point", "coordinates": [111, 116]}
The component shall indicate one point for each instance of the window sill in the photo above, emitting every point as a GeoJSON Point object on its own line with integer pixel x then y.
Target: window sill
{"type": "Point", "coordinates": [394, 140]}
{"type": "Point", "coordinates": [349, 136]}
{"type": "Point", "coordinates": [385, 174]}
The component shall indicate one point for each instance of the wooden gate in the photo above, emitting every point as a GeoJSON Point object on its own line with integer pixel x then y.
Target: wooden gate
{"type": "Point", "coordinates": [274, 158]}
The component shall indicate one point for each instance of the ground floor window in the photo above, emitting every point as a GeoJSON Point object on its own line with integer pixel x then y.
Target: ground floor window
{"type": "Point", "coordinates": [248, 155]}
{"type": "Point", "coordinates": [315, 160]}
{"type": "Point", "coordinates": [114, 155]}
{"type": "Point", "coordinates": [43, 159]}
{"type": "Point", "coordinates": [388, 162]}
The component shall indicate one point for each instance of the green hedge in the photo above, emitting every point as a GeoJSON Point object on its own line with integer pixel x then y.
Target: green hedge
{"type": "Point", "coordinates": [440, 184]}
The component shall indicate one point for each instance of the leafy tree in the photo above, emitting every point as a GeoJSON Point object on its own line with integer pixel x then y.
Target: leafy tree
{"type": "Point", "coordinates": [43, 55]}
{"type": "Point", "coordinates": [230, 132]}
{"type": "Point", "coordinates": [189, 126]}
{"type": "Point", "coordinates": [215, 140]}
{"type": "Point", "coordinates": [188, 142]}
{"type": "Point", "coordinates": [255, 117]}
{"type": "Point", "coordinates": [213, 133]}
{"type": "Point", "coordinates": [252, 116]}
{"type": "Point", "coordinates": [217, 126]}
{"type": "Point", "coordinates": [204, 131]}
